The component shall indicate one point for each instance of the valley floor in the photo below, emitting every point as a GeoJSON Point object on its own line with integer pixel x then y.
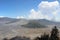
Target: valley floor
{"type": "Point", "coordinates": [28, 32]}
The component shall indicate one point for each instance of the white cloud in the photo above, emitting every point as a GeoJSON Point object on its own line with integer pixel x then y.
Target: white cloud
{"type": "Point", "coordinates": [48, 7]}
{"type": "Point", "coordinates": [46, 10]}
{"type": "Point", "coordinates": [55, 13]}
{"type": "Point", "coordinates": [18, 17]}
{"type": "Point", "coordinates": [35, 15]}
{"type": "Point", "coordinates": [46, 4]}
{"type": "Point", "coordinates": [1, 16]}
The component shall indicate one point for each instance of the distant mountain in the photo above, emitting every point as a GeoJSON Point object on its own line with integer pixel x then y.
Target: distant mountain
{"type": "Point", "coordinates": [34, 24]}
{"type": "Point", "coordinates": [41, 23]}
{"type": "Point", "coordinates": [47, 22]}
{"type": "Point", "coordinates": [5, 21]}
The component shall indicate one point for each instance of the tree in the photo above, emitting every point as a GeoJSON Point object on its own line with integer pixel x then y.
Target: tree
{"type": "Point", "coordinates": [37, 38]}
{"type": "Point", "coordinates": [43, 37]}
{"type": "Point", "coordinates": [54, 34]}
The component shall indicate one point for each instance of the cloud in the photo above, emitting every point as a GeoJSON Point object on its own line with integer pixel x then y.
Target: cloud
{"type": "Point", "coordinates": [2, 16]}
{"type": "Point", "coordinates": [48, 7]}
{"type": "Point", "coordinates": [18, 17]}
{"type": "Point", "coordinates": [46, 10]}
{"type": "Point", "coordinates": [35, 15]}
{"type": "Point", "coordinates": [45, 4]}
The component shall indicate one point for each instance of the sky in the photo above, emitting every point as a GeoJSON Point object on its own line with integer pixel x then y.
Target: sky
{"type": "Point", "coordinates": [31, 9]}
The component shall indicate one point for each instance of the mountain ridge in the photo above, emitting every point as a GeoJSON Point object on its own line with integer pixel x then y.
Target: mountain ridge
{"type": "Point", "coordinates": [7, 20]}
